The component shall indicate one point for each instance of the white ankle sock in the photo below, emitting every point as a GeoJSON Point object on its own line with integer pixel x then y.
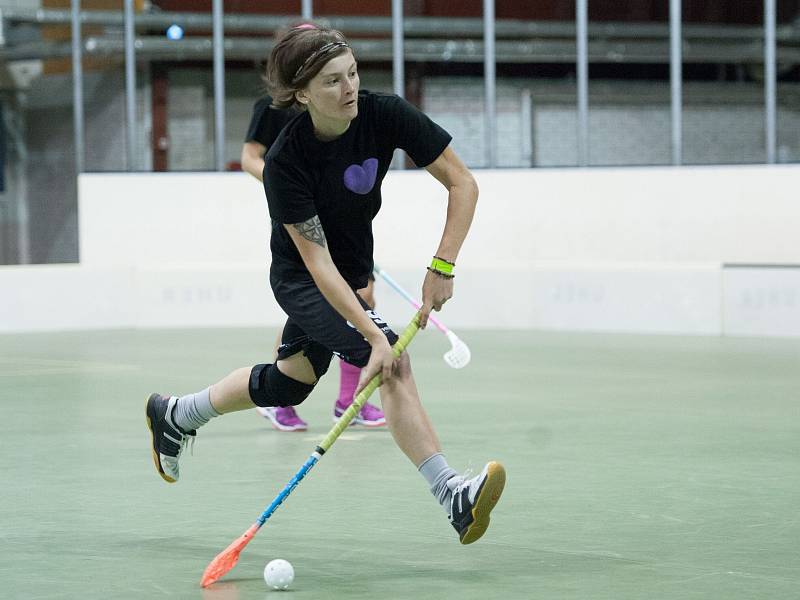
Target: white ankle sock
{"type": "Point", "coordinates": [441, 477]}
{"type": "Point", "coordinates": [193, 410]}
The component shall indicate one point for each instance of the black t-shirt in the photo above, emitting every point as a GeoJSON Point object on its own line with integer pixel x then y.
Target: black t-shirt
{"type": "Point", "coordinates": [267, 122]}
{"type": "Point", "coordinates": [340, 180]}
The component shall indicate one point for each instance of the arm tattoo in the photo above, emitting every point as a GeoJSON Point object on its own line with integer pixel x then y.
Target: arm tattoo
{"type": "Point", "coordinates": [311, 230]}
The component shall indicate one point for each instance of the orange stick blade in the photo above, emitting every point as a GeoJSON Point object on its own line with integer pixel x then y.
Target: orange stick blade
{"type": "Point", "coordinates": [227, 559]}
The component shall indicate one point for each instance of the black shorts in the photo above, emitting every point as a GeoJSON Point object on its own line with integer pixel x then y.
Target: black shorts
{"type": "Point", "coordinates": [318, 330]}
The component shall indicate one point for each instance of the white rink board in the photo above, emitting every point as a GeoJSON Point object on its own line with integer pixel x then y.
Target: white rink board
{"type": "Point", "coordinates": [663, 300]}
{"type": "Point", "coordinates": [762, 300]}
{"type": "Point", "coordinates": [622, 249]}
{"type": "Point", "coordinates": [65, 297]}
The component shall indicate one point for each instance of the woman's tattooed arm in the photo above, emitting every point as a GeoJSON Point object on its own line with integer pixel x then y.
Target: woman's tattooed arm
{"type": "Point", "coordinates": [311, 230]}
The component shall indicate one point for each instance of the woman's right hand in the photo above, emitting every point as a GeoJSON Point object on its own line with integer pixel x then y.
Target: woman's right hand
{"type": "Point", "coordinates": [381, 360]}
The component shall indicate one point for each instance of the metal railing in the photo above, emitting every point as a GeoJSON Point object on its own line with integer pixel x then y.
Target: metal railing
{"type": "Point", "coordinates": [486, 41]}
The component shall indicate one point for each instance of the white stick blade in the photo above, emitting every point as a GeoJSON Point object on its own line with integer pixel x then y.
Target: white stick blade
{"type": "Point", "coordinates": [459, 355]}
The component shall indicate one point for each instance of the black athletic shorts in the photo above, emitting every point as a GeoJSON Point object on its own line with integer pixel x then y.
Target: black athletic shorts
{"type": "Point", "coordinates": [317, 329]}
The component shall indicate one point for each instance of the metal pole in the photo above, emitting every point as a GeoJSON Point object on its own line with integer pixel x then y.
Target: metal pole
{"type": "Point", "coordinates": [23, 213]}
{"type": "Point", "coordinates": [219, 86]}
{"type": "Point", "coordinates": [526, 122]}
{"type": "Point", "coordinates": [307, 9]}
{"type": "Point", "coordinates": [398, 64]}
{"type": "Point", "coordinates": [490, 82]}
{"type": "Point", "coordinates": [77, 85]}
{"type": "Point", "coordinates": [14, 122]}
{"type": "Point", "coordinates": [676, 79]}
{"type": "Point", "coordinates": [770, 80]}
{"type": "Point", "coordinates": [130, 88]}
{"type": "Point", "coordinates": [582, 41]}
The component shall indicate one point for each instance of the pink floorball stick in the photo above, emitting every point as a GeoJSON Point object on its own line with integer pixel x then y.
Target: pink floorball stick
{"type": "Point", "coordinates": [459, 354]}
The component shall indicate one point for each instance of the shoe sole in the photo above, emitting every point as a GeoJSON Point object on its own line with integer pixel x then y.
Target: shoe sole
{"type": "Point", "coordinates": [487, 498]}
{"type": "Point", "coordinates": [361, 423]}
{"type": "Point", "coordinates": [149, 419]}
{"type": "Point", "coordinates": [369, 423]}
{"type": "Point", "coordinates": [278, 426]}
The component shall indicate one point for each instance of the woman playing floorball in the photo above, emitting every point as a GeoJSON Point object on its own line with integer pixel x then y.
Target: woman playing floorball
{"type": "Point", "coordinates": [322, 178]}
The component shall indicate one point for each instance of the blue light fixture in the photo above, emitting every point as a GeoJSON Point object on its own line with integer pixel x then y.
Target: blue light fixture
{"type": "Point", "coordinates": [175, 32]}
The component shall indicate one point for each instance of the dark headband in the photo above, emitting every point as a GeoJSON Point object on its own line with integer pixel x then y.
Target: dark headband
{"type": "Point", "coordinates": [322, 50]}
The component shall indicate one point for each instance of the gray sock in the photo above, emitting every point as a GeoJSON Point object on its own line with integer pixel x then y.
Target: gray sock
{"type": "Point", "coordinates": [441, 477]}
{"type": "Point", "coordinates": [193, 410]}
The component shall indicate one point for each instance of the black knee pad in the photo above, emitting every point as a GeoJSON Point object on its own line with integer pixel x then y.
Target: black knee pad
{"type": "Point", "coordinates": [269, 387]}
{"type": "Point", "coordinates": [319, 357]}
{"type": "Point", "coordinates": [294, 341]}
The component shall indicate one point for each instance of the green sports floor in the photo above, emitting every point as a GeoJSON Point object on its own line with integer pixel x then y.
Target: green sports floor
{"type": "Point", "coordinates": [638, 467]}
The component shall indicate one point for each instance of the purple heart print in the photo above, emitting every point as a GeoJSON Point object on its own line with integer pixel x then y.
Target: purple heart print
{"type": "Point", "coordinates": [361, 178]}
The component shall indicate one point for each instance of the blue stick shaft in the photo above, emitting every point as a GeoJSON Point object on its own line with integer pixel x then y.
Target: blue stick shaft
{"type": "Point", "coordinates": [298, 477]}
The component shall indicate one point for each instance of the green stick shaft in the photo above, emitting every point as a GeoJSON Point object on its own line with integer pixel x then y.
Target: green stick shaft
{"type": "Point", "coordinates": [363, 395]}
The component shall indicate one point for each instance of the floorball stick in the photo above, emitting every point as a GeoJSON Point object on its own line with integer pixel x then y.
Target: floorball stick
{"type": "Point", "coordinates": [227, 559]}
{"type": "Point", "coordinates": [459, 354]}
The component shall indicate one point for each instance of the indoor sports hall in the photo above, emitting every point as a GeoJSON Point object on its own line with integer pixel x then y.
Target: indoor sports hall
{"type": "Point", "coordinates": [619, 327]}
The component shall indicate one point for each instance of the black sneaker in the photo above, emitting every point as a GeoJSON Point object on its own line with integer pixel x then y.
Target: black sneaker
{"type": "Point", "coordinates": [168, 439]}
{"type": "Point", "coordinates": [473, 500]}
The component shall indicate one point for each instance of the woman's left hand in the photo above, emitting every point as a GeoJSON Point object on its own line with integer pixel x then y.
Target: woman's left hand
{"type": "Point", "coordinates": [436, 290]}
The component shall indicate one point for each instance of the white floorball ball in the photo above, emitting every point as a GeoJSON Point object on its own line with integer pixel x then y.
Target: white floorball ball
{"type": "Point", "coordinates": [279, 574]}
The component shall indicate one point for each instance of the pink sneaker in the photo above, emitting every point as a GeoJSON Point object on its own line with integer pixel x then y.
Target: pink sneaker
{"type": "Point", "coordinates": [370, 415]}
{"type": "Point", "coordinates": [283, 418]}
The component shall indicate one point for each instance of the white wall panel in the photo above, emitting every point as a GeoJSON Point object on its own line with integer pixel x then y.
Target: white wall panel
{"type": "Point", "coordinates": [159, 219]}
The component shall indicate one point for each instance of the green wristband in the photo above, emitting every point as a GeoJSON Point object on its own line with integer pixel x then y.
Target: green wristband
{"type": "Point", "coordinates": [442, 266]}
